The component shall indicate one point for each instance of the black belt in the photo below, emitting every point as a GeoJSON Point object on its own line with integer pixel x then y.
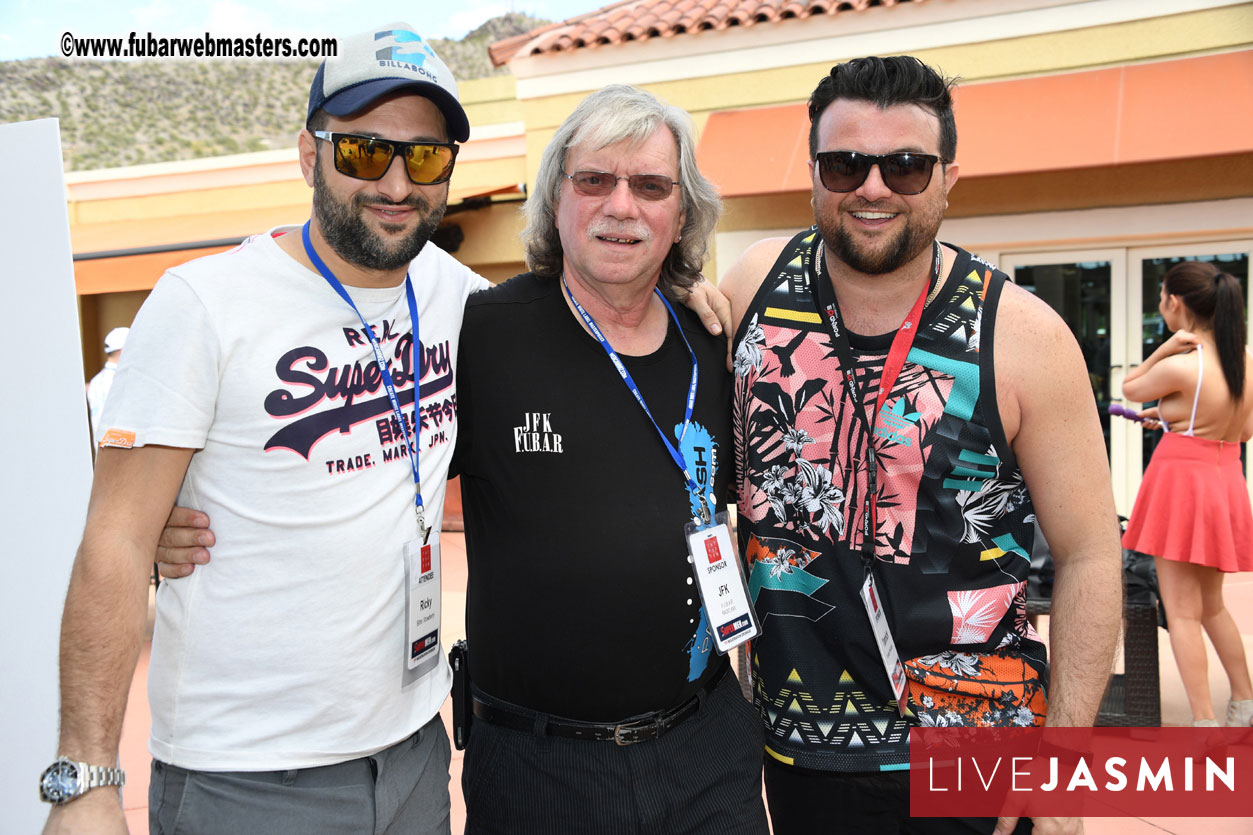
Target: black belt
{"type": "Point", "coordinates": [627, 732]}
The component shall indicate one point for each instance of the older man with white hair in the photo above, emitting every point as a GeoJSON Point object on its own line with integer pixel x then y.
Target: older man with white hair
{"type": "Point", "coordinates": [595, 427]}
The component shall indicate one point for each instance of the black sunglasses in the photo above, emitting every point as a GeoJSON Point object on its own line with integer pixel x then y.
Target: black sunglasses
{"type": "Point", "coordinates": [368, 157]}
{"type": "Point", "coordinates": [903, 173]}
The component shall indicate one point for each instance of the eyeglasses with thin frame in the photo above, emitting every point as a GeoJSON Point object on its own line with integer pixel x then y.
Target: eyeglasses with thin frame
{"type": "Point", "coordinates": [904, 173]}
{"type": "Point", "coordinates": [601, 183]}
{"type": "Point", "coordinates": [369, 157]}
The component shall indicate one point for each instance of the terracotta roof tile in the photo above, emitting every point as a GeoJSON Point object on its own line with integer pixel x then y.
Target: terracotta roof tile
{"type": "Point", "coordinates": [669, 16]}
{"type": "Point", "coordinates": [640, 20]}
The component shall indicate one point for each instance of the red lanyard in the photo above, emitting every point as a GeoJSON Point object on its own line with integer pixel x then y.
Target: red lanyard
{"type": "Point", "coordinates": [902, 342]}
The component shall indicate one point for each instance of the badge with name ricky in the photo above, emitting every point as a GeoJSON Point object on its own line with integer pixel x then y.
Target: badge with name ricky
{"type": "Point", "coordinates": [883, 637]}
{"type": "Point", "coordinates": [422, 599]}
{"type": "Point", "coordinates": [720, 580]}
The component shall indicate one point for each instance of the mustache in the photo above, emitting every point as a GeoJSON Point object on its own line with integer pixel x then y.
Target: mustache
{"type": "Point", "coordinates": [610, 229]}
{"type": "Point", "coordinates": [412, 202]}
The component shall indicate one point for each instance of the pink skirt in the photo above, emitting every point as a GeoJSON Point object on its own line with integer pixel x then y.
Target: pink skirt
{"type": "Point", "coordinates": [1193, 505]}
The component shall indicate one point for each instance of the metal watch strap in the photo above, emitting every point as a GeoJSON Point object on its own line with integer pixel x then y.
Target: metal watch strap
{"type": "Point", "coordinates": [99, 776]}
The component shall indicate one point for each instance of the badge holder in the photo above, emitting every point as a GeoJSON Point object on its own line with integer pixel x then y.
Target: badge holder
{"type": "Point", "coordinates": [883, 638]}
{"type": "Point", "coordinates": [720, 580]}
{"type": "Point", "coordinates": [462, 699]}
{"type": "Point", "coordinates": [422, 604]}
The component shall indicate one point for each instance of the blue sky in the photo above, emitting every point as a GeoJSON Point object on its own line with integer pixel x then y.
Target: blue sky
{"type": "Point", "coordinates": [33, 28]}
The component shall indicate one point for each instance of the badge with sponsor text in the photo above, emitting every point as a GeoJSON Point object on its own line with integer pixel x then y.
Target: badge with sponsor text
{"type": "Point", "coordinates": [883, 637]}
{"type": "Point", "coordinates": [422, 599]}
{"type": "Point", "coordinates": [720, 580]}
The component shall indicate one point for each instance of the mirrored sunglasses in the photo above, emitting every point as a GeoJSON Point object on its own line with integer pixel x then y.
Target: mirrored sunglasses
{"type": "Point", "coordinates": [904, 173]}
{"type": "Point", "coordinates": [368, 157]}
{"type": "Point", "coordinates": [600, 183]}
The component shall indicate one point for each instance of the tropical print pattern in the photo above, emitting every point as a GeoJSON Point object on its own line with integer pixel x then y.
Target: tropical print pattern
{"type": "Point", "coordinates": [952, 533]}
{"type": "Point", "coordinates": [1001, 688]}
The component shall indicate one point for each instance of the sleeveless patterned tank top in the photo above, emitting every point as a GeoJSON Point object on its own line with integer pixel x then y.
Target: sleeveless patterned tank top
{"type": "Point", "coordinates": [954, 527]}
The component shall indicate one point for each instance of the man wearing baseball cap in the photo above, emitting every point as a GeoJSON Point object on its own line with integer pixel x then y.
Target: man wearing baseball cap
{"type": "Point", "coordinates": [98, 387]}
{"type": "Point", "coordinates": [296, 686]}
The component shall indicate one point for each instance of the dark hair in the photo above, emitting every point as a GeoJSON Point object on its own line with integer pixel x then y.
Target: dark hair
{"type": "Point", "coordinates": [1215, 299]}
{"type": "Point", "coordinates": [899, 79]}
{"type": "Point", "coordinates": [318, 120]}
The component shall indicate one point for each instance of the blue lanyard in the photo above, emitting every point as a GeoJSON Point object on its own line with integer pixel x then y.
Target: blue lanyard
{"type": "Point", "coordinates": [386, 373]}
{"type": "Point", "coordinates": [639, 398]}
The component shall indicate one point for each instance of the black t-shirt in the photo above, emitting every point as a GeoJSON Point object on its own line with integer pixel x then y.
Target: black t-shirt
{"type": "Point", "coordinates": [581, 601]}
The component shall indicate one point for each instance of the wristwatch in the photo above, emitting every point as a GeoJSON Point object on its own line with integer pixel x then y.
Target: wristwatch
{"type": "Point", "coordinates": [65, 780]}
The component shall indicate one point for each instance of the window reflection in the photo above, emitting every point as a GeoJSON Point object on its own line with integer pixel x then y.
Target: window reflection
{"type": "Point", "coordinates": [1080, 293]}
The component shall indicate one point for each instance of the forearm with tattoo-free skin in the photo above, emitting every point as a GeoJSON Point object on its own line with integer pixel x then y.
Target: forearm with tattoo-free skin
{"type": "Point", "coordinates": [1082, 644]}
{"type": "Point", "coordinates": [106, 608]}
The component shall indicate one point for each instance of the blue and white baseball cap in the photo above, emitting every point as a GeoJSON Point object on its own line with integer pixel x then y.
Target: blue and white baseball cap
{"type": "Point", "coordinates": [384, 61]}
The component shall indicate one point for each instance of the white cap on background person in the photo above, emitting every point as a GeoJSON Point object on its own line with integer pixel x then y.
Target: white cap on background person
{"type": "Point", "coordinates": [115, 339]}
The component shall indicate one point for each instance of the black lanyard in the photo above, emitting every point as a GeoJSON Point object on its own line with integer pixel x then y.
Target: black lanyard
{"type": "Point", "coordinates": [829, 309]}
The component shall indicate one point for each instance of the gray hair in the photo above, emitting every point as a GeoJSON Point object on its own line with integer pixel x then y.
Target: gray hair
{"type": "Point", "coordinates": [615, 114]}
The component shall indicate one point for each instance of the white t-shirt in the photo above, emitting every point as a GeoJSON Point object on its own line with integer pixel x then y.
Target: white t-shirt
{"type": "Point", "coordinates": [287, 649]}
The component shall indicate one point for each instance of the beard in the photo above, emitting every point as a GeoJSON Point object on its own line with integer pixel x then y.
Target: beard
{"type": "Point", "coordinates": [886, 255]}
{"type": "Point", "coordinates": [343, 225]}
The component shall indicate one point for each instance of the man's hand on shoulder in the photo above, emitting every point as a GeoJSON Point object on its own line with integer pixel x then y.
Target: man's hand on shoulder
{"type": "Point", "coordinates": [704, 299]}
{"type": "Point", "coordinates": [99, 812]}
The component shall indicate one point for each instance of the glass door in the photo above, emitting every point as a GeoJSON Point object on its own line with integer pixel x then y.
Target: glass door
{"type": "Point", "coordinates": [1087, 288]}
{"type": "Point", "coordinates": [1146, 266]}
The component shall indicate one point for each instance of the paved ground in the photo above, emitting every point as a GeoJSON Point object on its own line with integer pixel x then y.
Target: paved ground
{"type": "Point", "coordinates": [1239, 594]}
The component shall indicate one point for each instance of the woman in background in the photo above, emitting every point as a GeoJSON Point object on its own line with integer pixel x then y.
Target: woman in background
{"type": "Point", "coordinates": [1192, 512]}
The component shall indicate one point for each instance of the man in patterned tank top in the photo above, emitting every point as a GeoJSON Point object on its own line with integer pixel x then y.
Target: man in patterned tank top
{"type": "Point", "coordinates": [903, 415]}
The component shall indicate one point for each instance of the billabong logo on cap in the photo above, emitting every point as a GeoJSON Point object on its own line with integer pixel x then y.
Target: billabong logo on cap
{"type": "Point", "coordinates": [384, 61]}
{"type": "Point", "coordinates": [392, 53]}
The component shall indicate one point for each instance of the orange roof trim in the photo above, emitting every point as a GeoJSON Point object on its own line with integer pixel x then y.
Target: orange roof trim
{"type": "Point", "coordinates": [180, 239]}
{"type": "Point", "coordinates": [1153, 112]}
{"type": "Point", "coordinates": [638, 20]}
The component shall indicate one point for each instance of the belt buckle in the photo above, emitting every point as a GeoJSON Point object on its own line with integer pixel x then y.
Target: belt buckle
{"type": "Point", "coordinates": [629, 727]}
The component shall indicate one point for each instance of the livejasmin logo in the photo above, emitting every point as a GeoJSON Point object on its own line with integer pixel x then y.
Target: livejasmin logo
{"type": "Point", "coordinates": [1070, 774]}
{"type": "Point", "coordinates": [536, 434]}
{"type": "Point", "coordinates": [1081, 772]}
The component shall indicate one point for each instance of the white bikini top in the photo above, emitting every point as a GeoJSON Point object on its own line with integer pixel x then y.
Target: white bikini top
{"type": "Point", "coordinates": [1196, 398]}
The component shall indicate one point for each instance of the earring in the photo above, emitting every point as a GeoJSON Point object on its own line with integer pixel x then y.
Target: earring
{"type": "Point", "coordinates": [678, 239]}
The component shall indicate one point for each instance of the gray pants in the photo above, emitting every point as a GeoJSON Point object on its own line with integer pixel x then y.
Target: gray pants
{"type": "Point", "coordinates": [400, 790]}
